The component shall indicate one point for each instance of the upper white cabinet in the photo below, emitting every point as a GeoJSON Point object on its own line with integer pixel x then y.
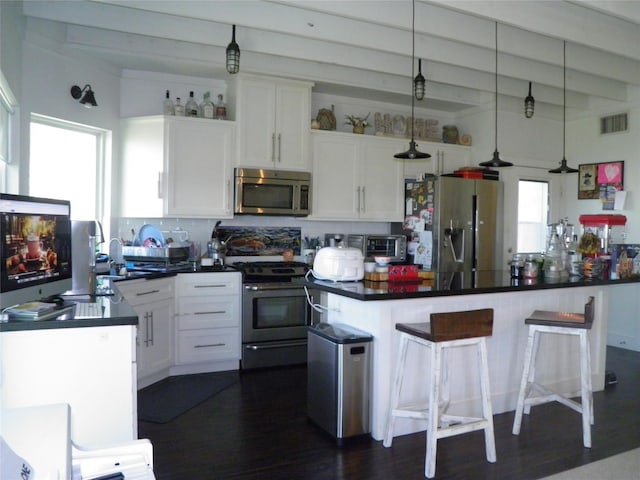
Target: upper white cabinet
{"type": "Point", "coordinates": [356, 177]}
{"type": "Point", "coordinates": [445, 158]}
{"type": "Point", "coordinates": [273, 117]}
{"type": "Point", "coordinates": [177, 166]}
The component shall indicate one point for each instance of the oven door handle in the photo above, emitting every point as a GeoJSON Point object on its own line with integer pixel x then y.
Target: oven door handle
{"type": "Point", "coordinates": [266, 286]}
{"type": "Point", "coordinates": [279, 345]}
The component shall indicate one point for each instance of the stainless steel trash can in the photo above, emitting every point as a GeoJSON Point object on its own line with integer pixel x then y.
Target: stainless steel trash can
{"type": "Point", "coordinates": [339, 380]}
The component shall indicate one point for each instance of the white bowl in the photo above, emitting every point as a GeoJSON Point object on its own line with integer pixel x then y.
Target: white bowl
{"type": "Point", "coordinates": [369, 267]}
{"type": "Point", "coordinates": [382, 260]}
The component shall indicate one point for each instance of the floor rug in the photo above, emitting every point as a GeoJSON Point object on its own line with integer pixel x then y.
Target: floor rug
{"type": "Point", "coordinates": [173, 396]}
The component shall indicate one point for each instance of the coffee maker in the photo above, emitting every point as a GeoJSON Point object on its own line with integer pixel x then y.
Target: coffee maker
{"type": "Point", "coordinates": [334, 240]}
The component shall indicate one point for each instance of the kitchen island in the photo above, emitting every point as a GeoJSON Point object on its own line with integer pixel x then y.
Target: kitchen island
{"type": "Point", "coordinates": [375, 307]}
{"type": "Point", "coordinates": [85, 359]}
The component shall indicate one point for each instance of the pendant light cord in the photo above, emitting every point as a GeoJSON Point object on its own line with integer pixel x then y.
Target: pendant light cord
{"type": "Point", "coordinates": [564, 96]}
{"type": "Point", "coordinates": [413, 57]}
{"type": "Point", "coordinates": [496, 132]}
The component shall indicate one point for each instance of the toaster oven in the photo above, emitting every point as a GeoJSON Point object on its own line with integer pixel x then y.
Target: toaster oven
{"type": "Point", "coordinates": [373, 245]}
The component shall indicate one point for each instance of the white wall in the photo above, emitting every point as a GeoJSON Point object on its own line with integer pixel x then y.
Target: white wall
{"type": "Point", "coordinates": [586, 145]}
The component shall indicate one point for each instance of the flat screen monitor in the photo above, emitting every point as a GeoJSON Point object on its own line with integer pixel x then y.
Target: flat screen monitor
{"type": "Point", "coordinates": [35, 252]}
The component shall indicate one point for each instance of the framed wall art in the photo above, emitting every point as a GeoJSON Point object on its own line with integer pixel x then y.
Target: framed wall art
{"type": "Point", "coordinates": [587, 181]}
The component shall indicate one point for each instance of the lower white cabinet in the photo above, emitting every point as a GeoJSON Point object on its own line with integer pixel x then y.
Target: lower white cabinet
{"type": "Point", "coordinates": [90, 368]}
{"type": "Point", "coordinates": [153, 301]}
{"type": "Point", "coordinates": [208, 321]}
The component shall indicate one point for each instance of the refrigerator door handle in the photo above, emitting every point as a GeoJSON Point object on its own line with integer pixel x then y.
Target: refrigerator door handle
{"type": "Point", "coordinates": [454, 238]}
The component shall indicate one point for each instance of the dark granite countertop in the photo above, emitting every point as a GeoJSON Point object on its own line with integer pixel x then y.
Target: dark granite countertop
{"type": "Point", "coordinates": [103, 311]}
{"type": "Point", "coordinates": [446, 284]}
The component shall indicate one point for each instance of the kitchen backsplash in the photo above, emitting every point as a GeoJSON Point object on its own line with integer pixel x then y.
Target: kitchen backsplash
{"type": "Point", "coordinates": [199, 230]}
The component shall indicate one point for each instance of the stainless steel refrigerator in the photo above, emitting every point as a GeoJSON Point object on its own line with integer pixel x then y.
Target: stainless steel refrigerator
{"type": "Point", "coordinates": [453, 224]}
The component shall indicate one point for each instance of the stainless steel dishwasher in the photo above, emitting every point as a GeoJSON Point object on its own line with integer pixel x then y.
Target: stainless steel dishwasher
{"type": "Point", "coordinates": [339, 380]}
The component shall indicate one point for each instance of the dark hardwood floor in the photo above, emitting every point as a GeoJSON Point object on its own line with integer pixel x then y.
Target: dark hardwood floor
{"type": "Point", "coordinates": [258, 429]}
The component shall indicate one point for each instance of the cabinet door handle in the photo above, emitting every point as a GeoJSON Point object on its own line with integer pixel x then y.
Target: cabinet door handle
{"type": "Point", "coordinates": [146, 328]}
{"type": "Point", "coordinates": [215, 312]}
{"type": "Point", "coordinates": [279, 147]}
{"type": "Point", "coordinates": [273, 147]}
{"type": "Point", "coordinates": [140, 294]}
{"type": "Point", "coordinates": [211, 285]}
{"type": "Point", "coordinates": [151, 340]}
{"type": "Point", "coordinates": [364, 201]}
{"type": "Point", "coordinates": [358, 193]}
{"type": "Point", "coordinates": [206, 345]}
{"type": "Point", "coordinates": [159, 184]}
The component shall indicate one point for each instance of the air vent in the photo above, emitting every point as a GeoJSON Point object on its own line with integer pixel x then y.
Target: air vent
{"type": "Point", "coordinates": [614, 124]}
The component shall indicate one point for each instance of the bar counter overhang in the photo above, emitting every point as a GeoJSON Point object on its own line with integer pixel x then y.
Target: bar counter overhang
{"type": "Point", "coordinates": [376, 308]}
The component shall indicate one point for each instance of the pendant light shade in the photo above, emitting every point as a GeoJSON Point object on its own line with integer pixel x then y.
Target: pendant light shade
{"type": "Point", "coordinates": [419, 83]}
{"type": "Point", "coordinates": [496, 161]}
{"type": "Point", "coordinates": [413, 153]}
{"type": "Point", "coordinates": [564, 168]}
{"type": "Point", "coordinates": [529, 104]}
{"type": "Point", "coordinates": [233, 54]}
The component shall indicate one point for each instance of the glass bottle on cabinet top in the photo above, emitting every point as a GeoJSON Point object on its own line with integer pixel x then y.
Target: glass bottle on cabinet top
{"type": "Point", "coordinates": [207, 109]}
{"type": "Point", "coordinates": [178, 108]}
{"type": "Point", "coordinates": [221, 109]}
{"type": "Point", "coordinates": [191, 107]}
{"type": "Point", "coordinates": [167, 107]}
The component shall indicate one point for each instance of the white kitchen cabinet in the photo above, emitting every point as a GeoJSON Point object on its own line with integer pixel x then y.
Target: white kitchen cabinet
{"type": "Point", "coordinates": [623, 328]}
{"type": "Point", "coordinates": [273, 117]}
{"type": "Point", "coordinates": [90, 368]}
{"type": "Point", "coordinates": [153, 301]}
{"type": "Point", "coordinates": [177, 166]}
{"type": "Point", "coordinates": [356, 177]}
{"type": "Point", "coordinates": [208, 322]}
{"type": "Point", "coordinates": [445, 158]}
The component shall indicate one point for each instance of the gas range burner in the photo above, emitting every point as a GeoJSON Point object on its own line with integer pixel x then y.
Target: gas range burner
{"type": "Point", "coordinates": [271, 271]}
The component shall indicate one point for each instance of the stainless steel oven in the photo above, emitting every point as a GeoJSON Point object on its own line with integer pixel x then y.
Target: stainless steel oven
{"type": "Point", "coordinates": [275, 315]}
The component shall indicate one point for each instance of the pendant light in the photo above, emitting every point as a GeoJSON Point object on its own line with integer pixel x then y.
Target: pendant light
{"type": "Point", "coordinates": [419, 83]}
{"type": "Point", "coordinates": [233, 54]}
{"type": "Point", "coordinates": [529, 104]}
{"type": "Point", "coordinates": [564, 168]}
{"type": "Point", "coordinates": [496, 161]}
{"type": "Point", "coordinates": [413, 152]}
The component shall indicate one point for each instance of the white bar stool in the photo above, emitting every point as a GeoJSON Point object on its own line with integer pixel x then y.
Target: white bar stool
{"type": "Point", "coordinates": [445, 330]}
{"type": "Point", "coordinates": [532, 393]}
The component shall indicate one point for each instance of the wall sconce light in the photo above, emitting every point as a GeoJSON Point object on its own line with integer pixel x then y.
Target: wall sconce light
{"type": "Point", "coordinates": [85, 95]}
{"type": "Point", "coordinates": [233, 54]}
{"type": "Point", "coordinates": [419, 83]}
{"type": "Point", "coordinates": [529, 104]}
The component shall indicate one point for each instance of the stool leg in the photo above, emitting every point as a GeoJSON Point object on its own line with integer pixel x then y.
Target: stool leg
{"type": "Point", "coordinates": [395, 389]}
{"type": "Point", "coordinates": [528, 360]}
{"type": "Point", "coordinates": [433, 414]}
{"type": "Point", "coordinates": [487, 412]}
{"type": "Point", "coordinates": [585, 388]}
{"type": "Point", "coordinates": [532, 367]}
{"type": "Point", "coordinates": [445, 389]}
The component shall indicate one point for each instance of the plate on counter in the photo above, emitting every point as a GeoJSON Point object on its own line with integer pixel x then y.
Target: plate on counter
{"type": "Point", "coordinates": [150, 236]}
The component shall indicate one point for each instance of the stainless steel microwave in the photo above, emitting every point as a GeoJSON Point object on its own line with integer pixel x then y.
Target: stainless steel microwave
{"type": "Point", "coordinates": [372, 245]}
{"type": "Point", "coordinates": [272, 192]}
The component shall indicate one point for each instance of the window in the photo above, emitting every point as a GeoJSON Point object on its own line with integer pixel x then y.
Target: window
{"type": "Point", "coordinates": [533, 215]}
{"type": "Point", "coordinates": [8, 105]}
{"type": "Point", "coordinates": [67, 161]}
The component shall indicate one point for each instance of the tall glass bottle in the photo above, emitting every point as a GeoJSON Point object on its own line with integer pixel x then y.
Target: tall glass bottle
{"type": "Point", "coordinates": [167, 107]}
{"type": "Point", "coordinates": [191, 107]}
{"type": "Point", "coordinates": [221, 109]}
{"type": "Point", "coordinates": [207, 109]}
{"type": "Point", "coordinates": [178, 108]}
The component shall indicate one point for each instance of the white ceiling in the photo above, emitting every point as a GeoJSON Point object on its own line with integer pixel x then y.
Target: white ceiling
{"type": "Point", "coordinates": [362, 48]}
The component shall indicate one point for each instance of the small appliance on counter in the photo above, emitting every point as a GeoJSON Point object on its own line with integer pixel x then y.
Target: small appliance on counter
{"type": "Point", "coordinates": [216, 251]}
{"type": "Point", "coordinates": [377, 245]}
{"type": "Point", "coordinates": [334, 240]}
{"type": "Point", "coordinates": [339, 264]}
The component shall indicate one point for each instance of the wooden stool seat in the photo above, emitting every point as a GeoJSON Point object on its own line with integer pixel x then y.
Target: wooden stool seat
{"type": "Point", "coordinates": [443, 331]}
{"type": "Point", "coordinates": [532, 393]}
